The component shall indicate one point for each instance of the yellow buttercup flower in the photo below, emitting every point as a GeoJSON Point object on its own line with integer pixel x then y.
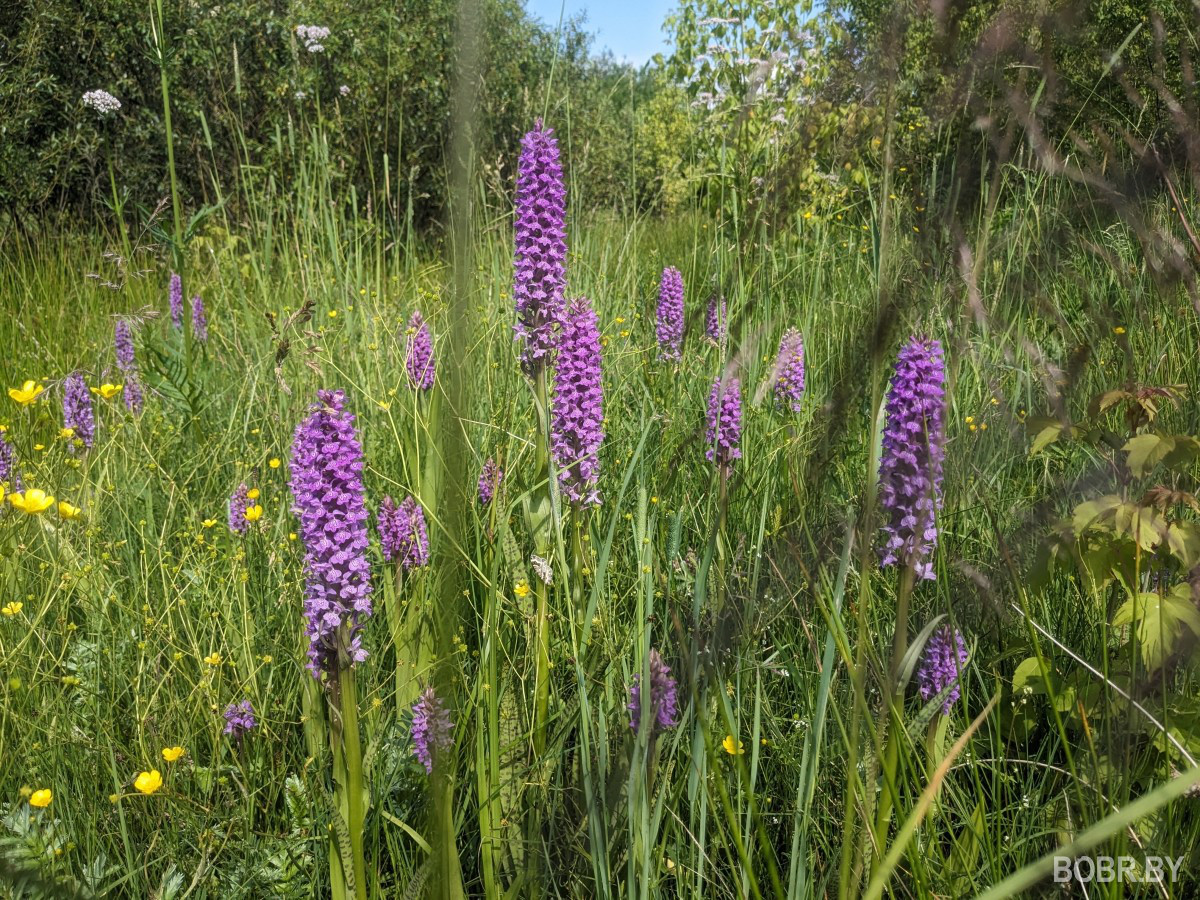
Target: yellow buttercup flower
{"type": "Point", "coordinates": [26, 393]}
{"type": "Point", "coordinates": [148, 782]}
{"type": "Point", "coordinates": [254, 513]}
{"type": "Point", "coordinates": [12, 607]}
{"type": "Point", "coordinates": [67, 433]}
{"type": "Point", "coordinates": [273, 462]}
{"type": "Point", "coordinates": [67, 511]}
{"type": "Point", "coordinates": [32, 501]}
{"type": "Point", "coordinates": [209, 523]}
{"type": "Point", "coordinates": [107, 391]}
{"type": "Point", "coordinates": [732, 746]}
{"type": "Point", "coordinates": [253, 494]}
{"type": "Point", "coordinates": [41, 799]}
{"type": "Point", "coordinates": [170, 754]}
{"type": "Point", "coordinates": [1120, 329]}
{"type": "Point", "coordinates": [522, 589]}
{"type": "Point", "coordinates": [213, 659]}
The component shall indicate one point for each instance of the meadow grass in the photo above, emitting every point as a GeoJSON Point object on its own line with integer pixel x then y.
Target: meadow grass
{"type": "Point", "coordinates": [140, 623]}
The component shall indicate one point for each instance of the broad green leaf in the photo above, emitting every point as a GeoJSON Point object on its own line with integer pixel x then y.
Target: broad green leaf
{"type": "Point", "coordinates": [1157, 621]}
{"type": "Point", "coordinates": [1183, 540]}
{"type": "Point", "coordinates": [1028, 678]}
{"type": "Point", "coordinates": [1145, 451]}
{"type": "Point", "coordinates": [1044, 438]}
{"type": "Point", "coordinates": [1093, 510]}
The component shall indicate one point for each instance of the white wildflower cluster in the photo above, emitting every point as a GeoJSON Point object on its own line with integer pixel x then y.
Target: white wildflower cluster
{"type": "Point", "coordinates": [344, 90]}
{"type": "Point", "coordinates": [717, 20]}
{"type": "Point", "coordinates": [542, 568]}
{"type": "Point", "coordinates": [312, 36]}
{"type": "Point", "coordinates": [102, 102]}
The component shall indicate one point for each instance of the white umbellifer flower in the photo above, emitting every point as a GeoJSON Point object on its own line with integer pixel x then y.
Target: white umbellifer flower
{"type": "Point", "coordinates": [312, 35]}
{"type": "Point", "coordinates": [102, 102]}
{"type": "Point", "coordinates": [542, 568]}
{"type": "Point", "coordinates": [344, 90]}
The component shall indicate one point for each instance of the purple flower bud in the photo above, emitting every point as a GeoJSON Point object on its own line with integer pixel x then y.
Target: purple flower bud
{"type": "Point", "coordinates": [664, 703]}
{"type": "Point", "coordinates": [77, 409]}
{"type": "Point", "coordinates": [123, 344]}
{"type": "Point", "coordinates": [430, 728]}
{"type": "Point", "coordinates": [8, 460]}
{"type": "Point", "coordinates": [238, 503]}
{"type": "Point", "coordinates": [670, 314]}
{"type": "Point", "coordinates": [716, 323]}
{"type": "Point", "coordinates": [176, 300]}
{"type": "Point", "coordinates": [540, 234]}
{"type": "Point", "coordinates": [942, 666]}
{"type": "Point", "coordinates": [134, 400]}
{"type": "Point", "coordinates": [199, 320]}
{"type": "Point", "coordinates": [789, 370]}
{"type": "Point", "coordinates": [402, 533]}
{"type": "Point", "coordinates": [725, 422]}
{"type": "Point", "coordinates": [327, 490]}
{"type": "Point", "coordinates": [910, 467]}
{"type": "Point", "coordinates": [239, 719]}
{"type": "Point", "coordinates": [419, 358]}
{"type": "Point", "coordinates": [577, 407]}
{"type": "Point", "coordinates": [489, 481]}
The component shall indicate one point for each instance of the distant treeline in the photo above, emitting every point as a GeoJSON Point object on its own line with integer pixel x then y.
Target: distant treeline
{"type": "Point", "coordinates": [248, 91]}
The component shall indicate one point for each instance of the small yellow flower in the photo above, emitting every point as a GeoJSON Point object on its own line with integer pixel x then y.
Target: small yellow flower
{"type": "Point", "coordinates": [522, 588]}
{"type": "Point", "coordinates": [273, 462]}
{"type": "Point", "coordinates": [148, 782]}
{"type": "Point", "coordinates": [107, 391]}
{"type": "Point", "coordinates": [67, 433]}
{"type": "Point", "coordinates": [292, 536]}
{"type": "Point", "coordinates": [67, 511]}
{"type": "Point", "coordinates": [209, 523]}
{"type": "Point", "coordinates": [26, 393]}
{"type": "Point", "coordinates": [213, 659]}
{"type": "Point", "coordinates": [170, 754]}
{"type": "Point", "coordinates": [12, 608]}
{"type": "Point", "coordinates": [39, 447]}
{"type": "Point", "coordinates": [732, 746]}
{"type": "Point", "coordinates": [1120, 329]}
{"type": "Point", "coordinates": [41, 798]}
{"type": "Point", "coordinates": [32, 501]}
{"type": "Point", "coordinates": [333, 314]}
{"type": "Point", "coordinates": [253, 494]}
{"type": "Point", "coordinates": [254, 513]}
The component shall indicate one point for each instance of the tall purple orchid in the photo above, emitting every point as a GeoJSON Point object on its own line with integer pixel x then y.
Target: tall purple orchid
{"type": "Point", "coordinates": [403, 534]}
{"type": "Point", "coordinates": [199, 320]}
{"type": "Point", "coordinates": [788, 374]}
{"type": "Point", "coordinates": [577, 407]}
{"type": "Point", "coordinates": [664, 702]}
{"type": "Point", "coordinates": [942, 665]}
{"type": "Point", "coordinates": [541, 247]}
{"type": "Point", "coordinates": [327, 490]}
{"type": "Point", "coordinates": [725, 422]}
{"type": "Point", "coordinates": [77, 410]}
{"type": "Point", "coordinates": [910, 467]}
{"type": "Point", "coordinates": [669, 327]}
{"type": "Point", "coordinates": [175, 300]}
{"type": "Point", "coordinates": [418, 360]}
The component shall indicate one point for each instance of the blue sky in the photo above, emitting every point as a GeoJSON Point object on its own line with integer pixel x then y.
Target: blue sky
{"type": "Point", "coordinates": [631, 29]}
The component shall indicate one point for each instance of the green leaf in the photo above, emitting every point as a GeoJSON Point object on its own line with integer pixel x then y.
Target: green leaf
{"type": "Point", "coordinates": [1157, 621]}
{"type": "Point", "coordinates": [1045, 432]}
{"type": "Point", "coordinates": [1183, 540]}
{"type": "Point", "coordinates": [1094, 511]}
{"type": "Point", "coordinates": [1145, 451]}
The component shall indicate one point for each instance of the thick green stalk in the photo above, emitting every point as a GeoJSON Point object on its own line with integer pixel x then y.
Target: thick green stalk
{"type": "Point", "coordinates": [348, 790]}
{"type": "Point", "coordinates": [890, 720]}
{"type": "Point", "coordinates": [541, 681]}
{"type": "Point", "coordinates": [177, 250]}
